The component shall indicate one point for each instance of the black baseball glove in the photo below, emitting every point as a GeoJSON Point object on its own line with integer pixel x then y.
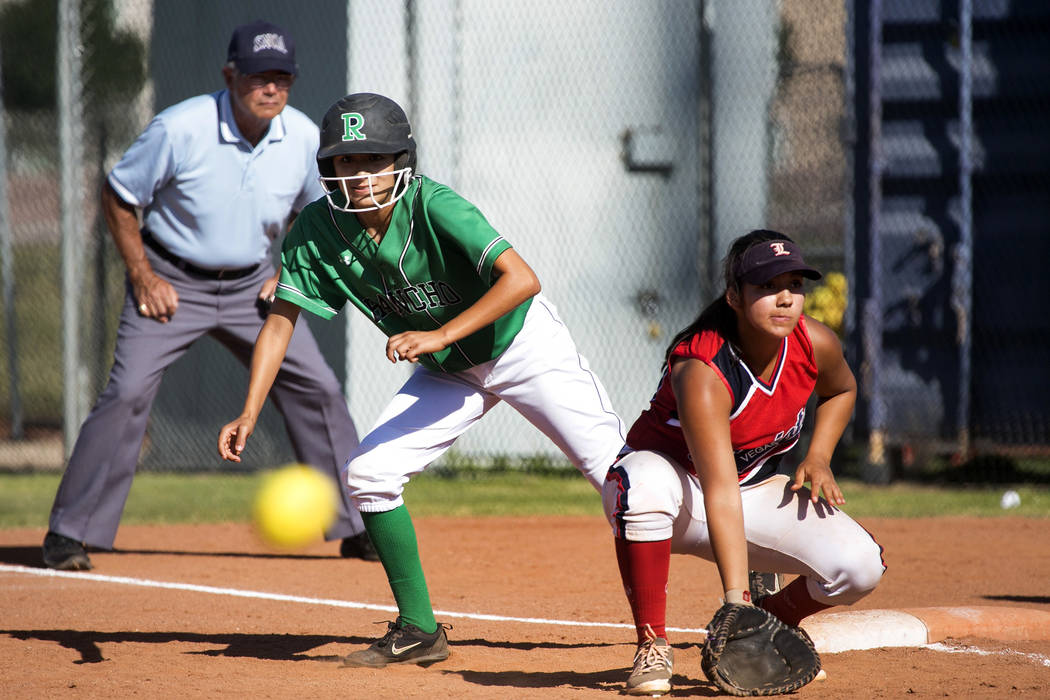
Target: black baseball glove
{"type": "Point", "coordinates": [750, 652]}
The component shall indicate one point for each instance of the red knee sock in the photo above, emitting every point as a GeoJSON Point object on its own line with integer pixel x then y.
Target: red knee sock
{"type": "Point", "coordinates": [793, 603]}
{"type": "Point", "coordinates": [643, 568]}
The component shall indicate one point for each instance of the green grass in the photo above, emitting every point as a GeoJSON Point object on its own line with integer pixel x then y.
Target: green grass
{"type": "Point", "coordinates": [908, 500]}
{"type": "Point", "coordinates": [38, 323]}
{"type": "Point", "coordinates": [25, 499]}
{"type": "Point", "coordinates": [161, 497]}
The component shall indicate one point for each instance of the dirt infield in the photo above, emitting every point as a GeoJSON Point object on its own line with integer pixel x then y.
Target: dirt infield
{"type": "Point", "coordinates": [197, 611]}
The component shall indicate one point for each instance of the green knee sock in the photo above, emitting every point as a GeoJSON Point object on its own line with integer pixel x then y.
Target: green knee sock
{"type": "Point", "coordinates": [394, 538]}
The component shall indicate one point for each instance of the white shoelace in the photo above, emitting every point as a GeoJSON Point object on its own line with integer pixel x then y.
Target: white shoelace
{"type": "Point", "coordinates": [651, 657]}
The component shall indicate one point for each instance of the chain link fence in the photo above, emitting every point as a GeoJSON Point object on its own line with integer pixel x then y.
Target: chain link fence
{"type": "Point", "coordinates": [951, 178]}
{"type": "Point", "coordinates": [619, 146]}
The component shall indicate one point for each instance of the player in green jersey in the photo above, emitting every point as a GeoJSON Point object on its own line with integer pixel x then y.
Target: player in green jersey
{"type": "Point", "coordinates": [451, 294]}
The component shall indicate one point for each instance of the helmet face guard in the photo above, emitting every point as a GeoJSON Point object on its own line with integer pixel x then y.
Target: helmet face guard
{"type": "Point", "coordinates": [335, 186]}
{"type": "Point", "coordinates": [364, 123]}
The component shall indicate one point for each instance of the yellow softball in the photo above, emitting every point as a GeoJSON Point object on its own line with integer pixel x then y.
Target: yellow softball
{"type": "Point", "coordinates": [294, 506]}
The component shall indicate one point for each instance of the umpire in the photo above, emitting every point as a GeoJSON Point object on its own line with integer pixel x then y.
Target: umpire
{"type": "Point", "coordinates": [218, 178]}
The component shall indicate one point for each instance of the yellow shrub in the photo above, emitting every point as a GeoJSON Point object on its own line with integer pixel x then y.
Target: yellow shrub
{"type": "Point", "coordinates": [827, 303]}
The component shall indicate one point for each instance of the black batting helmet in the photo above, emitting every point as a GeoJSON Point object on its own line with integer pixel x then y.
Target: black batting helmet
{"type": "Point", "coordinates": [365, 123]}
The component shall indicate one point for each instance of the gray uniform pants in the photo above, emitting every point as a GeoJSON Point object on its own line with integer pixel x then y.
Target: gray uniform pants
{"type": "Point", "coordinates": [97, 480]}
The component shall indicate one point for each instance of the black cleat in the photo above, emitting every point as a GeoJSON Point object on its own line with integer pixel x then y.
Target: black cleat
{"type": "Point", "coordinates": [65, 554]}
{"type": "Point", "coordinates": [403, 643]}
{"type": "Point", "coordinates": [358, 546]}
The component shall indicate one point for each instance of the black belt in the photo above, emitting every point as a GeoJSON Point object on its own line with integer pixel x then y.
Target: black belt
{"type": "Point", "coordinates": [226, 273]}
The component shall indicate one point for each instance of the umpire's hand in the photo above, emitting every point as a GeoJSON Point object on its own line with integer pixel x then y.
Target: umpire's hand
{"type": "Point", "coordinates": [156, 297]}
{"type": "Point", "coordinates": [234, 436]}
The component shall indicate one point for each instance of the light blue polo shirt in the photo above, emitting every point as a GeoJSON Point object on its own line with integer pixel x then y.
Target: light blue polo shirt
{"type": "Point", "coordinates": [207, 195]}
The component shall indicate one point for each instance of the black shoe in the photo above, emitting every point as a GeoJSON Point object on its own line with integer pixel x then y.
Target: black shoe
{"type": "Point", "coordinates": [65, 554]}
{"type": "Point", "coordinates": [403, 643]}
{"type": "Point", "coordinates": [358, 546]}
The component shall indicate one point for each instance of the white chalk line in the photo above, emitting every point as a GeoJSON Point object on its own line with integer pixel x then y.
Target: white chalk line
{"type": "Point", "coordinates": [960, 649]}
{"type": "Point", "coordinates": [285, 598]}
{"type": "Point", "coordinates": [281, 597]}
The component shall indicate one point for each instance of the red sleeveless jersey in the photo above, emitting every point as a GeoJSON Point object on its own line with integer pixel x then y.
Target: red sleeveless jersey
{"type": "Point", "coordinates": [765, 420]}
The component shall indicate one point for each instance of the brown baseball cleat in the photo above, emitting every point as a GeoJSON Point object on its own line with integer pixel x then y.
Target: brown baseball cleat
{"type": "Point", "coordinates": [653, 666]}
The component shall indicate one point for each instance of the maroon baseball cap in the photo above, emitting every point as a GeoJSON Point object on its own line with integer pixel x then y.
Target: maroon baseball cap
{"type": "Point", "coordinates": [765, 260]}
{"type": "Point", "coordinates": [258, 47]}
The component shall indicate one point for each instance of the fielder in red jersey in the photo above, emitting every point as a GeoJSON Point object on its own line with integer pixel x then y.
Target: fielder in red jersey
{"type": "Point", "coordinates": [699, 474]}
{"type": "Point", "coordinates": [766, 417]}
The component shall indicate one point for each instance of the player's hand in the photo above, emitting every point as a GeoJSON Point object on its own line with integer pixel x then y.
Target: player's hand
{"type": "Point", "coordinates": [820, 479]}
{"type": "Point", "coordinates": [233, 437]}
{"type": "Point", "coordinates": [411, 344]}
{"type": "Point", "coordinates": [156, 297]}
{"type": "Point", "coordinates": [269, 287]}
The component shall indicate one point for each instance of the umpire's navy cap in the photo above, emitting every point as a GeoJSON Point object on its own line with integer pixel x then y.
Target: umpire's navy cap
{"type": "Point", "coordinates": [258, 47]}
{"type": "Point", "coordinates": [765, 260]}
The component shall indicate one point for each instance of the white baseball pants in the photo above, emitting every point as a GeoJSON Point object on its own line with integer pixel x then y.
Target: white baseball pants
{"type": "Point", "coordinates": [648, 497]}
{"type": "Point", "coordinates": [541, 375]}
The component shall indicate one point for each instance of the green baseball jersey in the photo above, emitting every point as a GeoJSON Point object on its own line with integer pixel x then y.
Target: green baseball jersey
{"type": "Point", "coordinates": [434, 261]}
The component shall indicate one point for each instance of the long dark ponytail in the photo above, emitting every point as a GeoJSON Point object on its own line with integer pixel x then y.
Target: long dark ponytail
{"type": "Point", "coordinates": [719, 315]}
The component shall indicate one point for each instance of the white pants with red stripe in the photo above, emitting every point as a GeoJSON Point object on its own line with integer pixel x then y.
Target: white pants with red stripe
{"type": "Point", "coordinates": [649, 497]}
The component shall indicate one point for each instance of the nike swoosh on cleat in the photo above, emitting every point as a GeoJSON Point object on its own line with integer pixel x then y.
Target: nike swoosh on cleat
{"type": "Point", "coordinates": [397, 652]}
